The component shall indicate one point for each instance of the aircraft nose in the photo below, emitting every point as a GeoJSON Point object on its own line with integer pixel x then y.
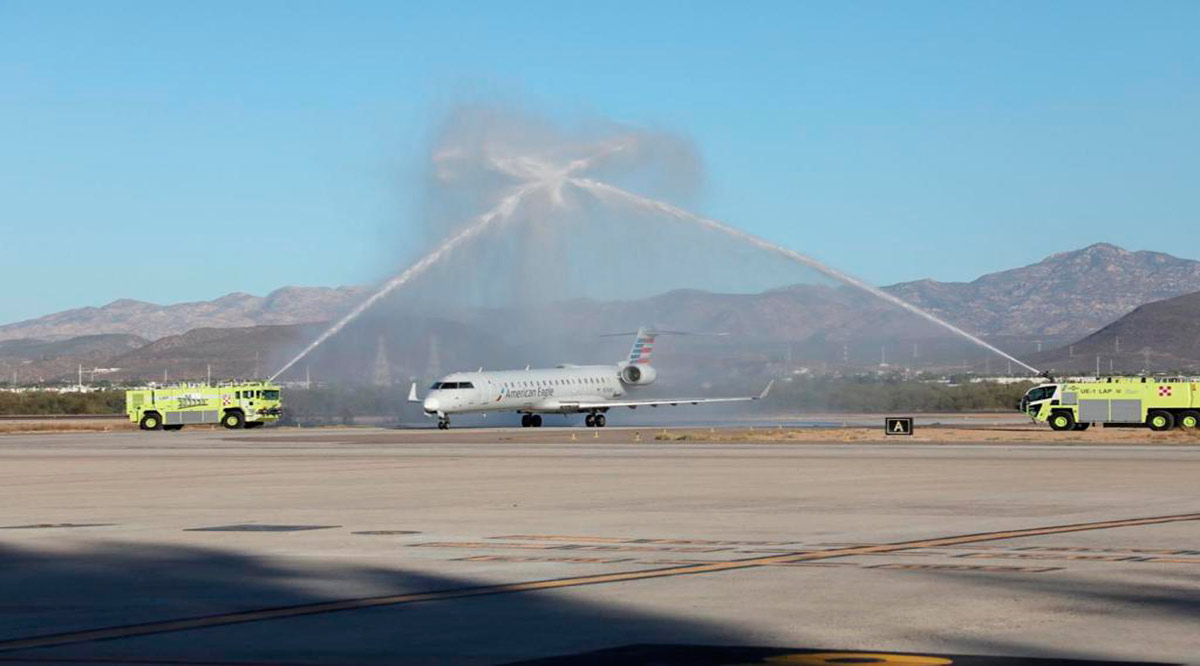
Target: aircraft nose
{"type": "Point", "coordinates": [431, 405]}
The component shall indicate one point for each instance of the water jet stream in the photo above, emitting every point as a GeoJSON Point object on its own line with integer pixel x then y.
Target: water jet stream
{"type": "Point", "coordinates": [502, 210]}
{"type": "Point", "coordinates": [540, 174]}
{"type": "Point", "coordinates": [606, 191]}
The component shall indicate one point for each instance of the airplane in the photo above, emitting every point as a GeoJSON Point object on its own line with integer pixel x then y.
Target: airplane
{"type": "Point", "coordinates": [566, 389]}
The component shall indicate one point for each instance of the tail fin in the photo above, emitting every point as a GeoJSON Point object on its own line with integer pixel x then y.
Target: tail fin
{"type": "Point", "coordinates": [643, 345]}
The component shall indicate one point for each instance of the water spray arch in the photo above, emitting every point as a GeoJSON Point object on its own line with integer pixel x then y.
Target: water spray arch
{"type": "Point", "coordinates": [539, 174]}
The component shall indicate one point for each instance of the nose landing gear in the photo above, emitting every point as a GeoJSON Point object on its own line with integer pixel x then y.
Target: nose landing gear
{"type": "Point", "coordinates": [443, 423]}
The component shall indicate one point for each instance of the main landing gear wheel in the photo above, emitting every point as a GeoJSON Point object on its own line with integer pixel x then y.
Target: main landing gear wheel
{"type": "Point", "coordinates": [1080, 427]}
{"type": "Point", "coordinates": [598, 420]}
{"type": "Point", "coordinates": [1189, 420]}
{"type": "Point", "coordinates": [589, 420]}
{"type": "Point", "coordinates": [1160, 421]}
{"type": "Point", "coordinates": [1062, 421]}
{"type": "Point", "coordinates": [535, 420]}
{"type": "Point", "coordinates": [526, 421]}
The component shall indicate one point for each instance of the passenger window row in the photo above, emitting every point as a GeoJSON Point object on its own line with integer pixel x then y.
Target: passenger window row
{"type": "Point", "coordinates": [555, 382]}
{"type": "Point", "coordinates": [445, 386]}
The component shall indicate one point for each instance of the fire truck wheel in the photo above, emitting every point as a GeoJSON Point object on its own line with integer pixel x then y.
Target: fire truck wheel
{"type": "Point", "coordinates": [151, 421]}
{"type": "Point", "coordinates": [1062, 421]}
{"type": "Point", "coordinates": [1189, 420]}
{"type": "Point", "coordinates": [1160, 421]}
{"type": "Point", "coordinates": [232, 420]}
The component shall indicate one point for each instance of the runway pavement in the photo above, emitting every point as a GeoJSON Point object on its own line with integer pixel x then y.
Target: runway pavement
{"type": "Point", "coordinates": [499, 546]}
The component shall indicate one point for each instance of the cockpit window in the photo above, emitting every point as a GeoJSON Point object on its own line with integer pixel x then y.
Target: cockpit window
{"type": "Point", "coordinates": [1040, 393]}
{"type": "Point", "coordinates": [436, 386]}
{"type": "Point", "coordinates": [447, 386]}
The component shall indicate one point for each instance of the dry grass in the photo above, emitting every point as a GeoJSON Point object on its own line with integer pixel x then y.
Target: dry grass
{"type": "Point", "coordinates": [52, 426]}
{"type": "Point", "coordinates": [935, 435]}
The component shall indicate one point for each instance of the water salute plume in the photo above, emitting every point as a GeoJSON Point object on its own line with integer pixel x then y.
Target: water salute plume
{"type": "Point", "coordinates": [524, 171]}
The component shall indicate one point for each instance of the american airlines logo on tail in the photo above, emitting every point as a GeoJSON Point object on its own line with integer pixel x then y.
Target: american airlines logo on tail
{"type": "Point", "coordinates": [642, 346]}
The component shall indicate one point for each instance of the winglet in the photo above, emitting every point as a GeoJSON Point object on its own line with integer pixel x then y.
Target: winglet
{"type": "Point", "coordinates": [412, 393]}
{"type": "Point", "coordinates": [766, 390]}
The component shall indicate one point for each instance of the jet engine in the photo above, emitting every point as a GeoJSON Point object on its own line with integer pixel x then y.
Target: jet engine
{"type": "Point", "coordinates": [638, 375]}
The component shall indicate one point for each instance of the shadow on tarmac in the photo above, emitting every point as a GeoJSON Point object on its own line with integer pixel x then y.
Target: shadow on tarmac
{"type": "Point", "coordinates": [114, 584]}
{"type": "Point", "coordinates": [117, 584]}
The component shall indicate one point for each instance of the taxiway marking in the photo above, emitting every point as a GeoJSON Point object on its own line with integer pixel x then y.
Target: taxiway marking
{"type": "Point", "coordinates": [241, 617]}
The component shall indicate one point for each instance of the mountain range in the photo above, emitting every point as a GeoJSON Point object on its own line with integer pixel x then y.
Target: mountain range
{"type": "Point", "coordinates": [1070, 294]}
{"type": "Point", "coordinates": [1160, 335]}
{"type": "Point", "coordinates": [289, 305]}
{"type": "Point", "coordinates": [1078, 296]}
{"type": "Point", "coordinates": [60, 358]}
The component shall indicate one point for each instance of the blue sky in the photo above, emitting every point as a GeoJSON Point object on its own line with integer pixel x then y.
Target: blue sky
{"type": "Point", "coordinates": [171, 151]}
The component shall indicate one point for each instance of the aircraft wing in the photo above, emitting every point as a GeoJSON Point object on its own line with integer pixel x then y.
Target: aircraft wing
{"type": "Point", "coordinates": [634, 404]}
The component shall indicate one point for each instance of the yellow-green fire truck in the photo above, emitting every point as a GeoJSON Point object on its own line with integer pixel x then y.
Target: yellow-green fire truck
{"type": "Point", "coordinates": [241, 405]}
{"type": "Point", "coordinates": [1159, 403]}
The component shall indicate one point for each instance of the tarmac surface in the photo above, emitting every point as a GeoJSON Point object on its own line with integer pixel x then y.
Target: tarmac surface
{"type": "Point", "coordinates": [340, 546]}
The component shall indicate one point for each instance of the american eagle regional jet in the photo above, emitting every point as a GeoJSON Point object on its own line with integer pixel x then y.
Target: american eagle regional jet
{"type": "Point", "coordinates": [566, 389]}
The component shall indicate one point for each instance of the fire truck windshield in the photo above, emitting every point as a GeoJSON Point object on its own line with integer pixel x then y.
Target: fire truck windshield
{"type": "Point", "coordinates": [1039, 393]}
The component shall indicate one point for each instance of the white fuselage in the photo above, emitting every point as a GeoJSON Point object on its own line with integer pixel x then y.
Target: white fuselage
{"type": "Point", "coordinates": [545, 390]}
